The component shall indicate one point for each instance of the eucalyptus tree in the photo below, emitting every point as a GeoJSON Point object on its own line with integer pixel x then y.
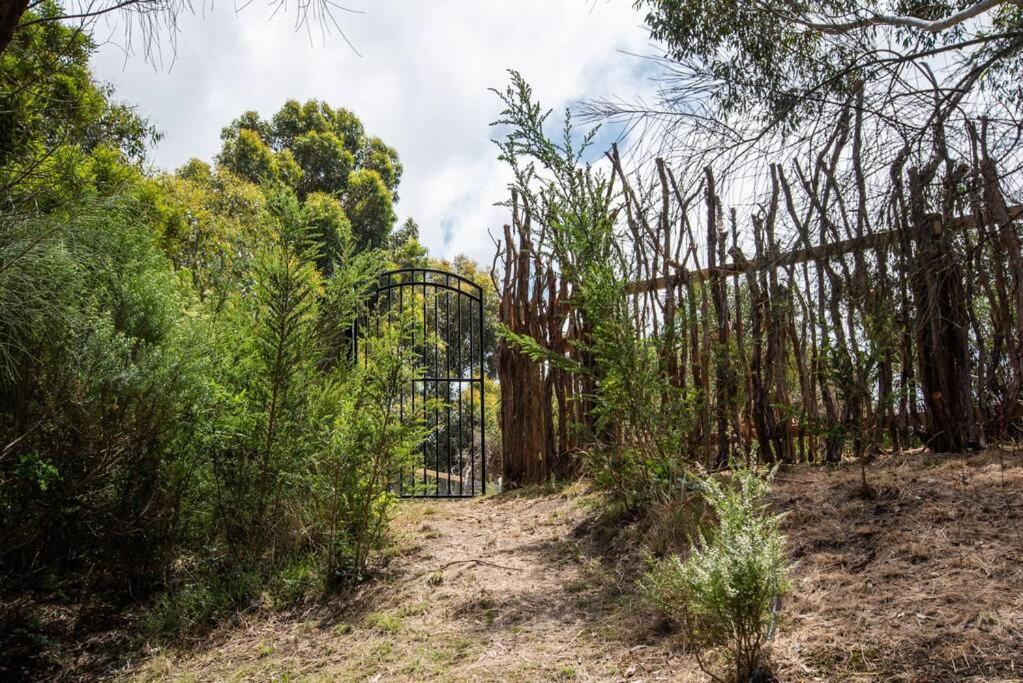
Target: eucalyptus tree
{"type": "Point", "coordinates": [764, 79]}
{"type": "Point", "coordinates": [320, 152]}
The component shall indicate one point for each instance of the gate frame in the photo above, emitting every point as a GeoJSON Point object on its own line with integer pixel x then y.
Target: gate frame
{"type": "Point", "coordinates": [475, 298]}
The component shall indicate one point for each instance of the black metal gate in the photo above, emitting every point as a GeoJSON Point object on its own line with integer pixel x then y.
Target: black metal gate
{"type": "Point", "coordinates": [448, 393]}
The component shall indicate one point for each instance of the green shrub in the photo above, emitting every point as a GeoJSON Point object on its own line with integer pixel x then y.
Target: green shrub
{"type": "Point", "coordinates": [200, 601]}
{"type": "Point", "coordinates": [635, 422]}
{"type": "Point", "coordinates": [724, 595]}
{"type": "Point", "coordinates": [178, 410]}
{"type": "Point", "coordinates": [96, 372]}
{"type": "Point", "coordinates": [207, 595]}
{"type": "Point", "coordinates": [364, 445]}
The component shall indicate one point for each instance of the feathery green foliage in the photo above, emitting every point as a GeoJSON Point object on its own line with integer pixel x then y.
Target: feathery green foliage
{"type": "Point", "coordinates": [725, 593]}
{"type": "Point", "coordinates": [635, 441]}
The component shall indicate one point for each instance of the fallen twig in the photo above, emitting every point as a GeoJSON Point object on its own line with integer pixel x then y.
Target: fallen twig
{"type": "Point", "coordinates": [476, 561]}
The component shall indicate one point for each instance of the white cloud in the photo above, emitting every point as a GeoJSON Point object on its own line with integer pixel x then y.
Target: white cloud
{"type": "Point", "coordinates": [420, 84]}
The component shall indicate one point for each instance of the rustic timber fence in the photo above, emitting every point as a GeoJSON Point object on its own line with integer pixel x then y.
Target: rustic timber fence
{"type": "Point", "coordinates": [860, 318]}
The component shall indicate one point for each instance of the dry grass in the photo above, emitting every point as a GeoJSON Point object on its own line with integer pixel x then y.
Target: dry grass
{"type": "Point", "coordinates": [501, 588]}
{"type": "Point", "coordinates": [924, 582]}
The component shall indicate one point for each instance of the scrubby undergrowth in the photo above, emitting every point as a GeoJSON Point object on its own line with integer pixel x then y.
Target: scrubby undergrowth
{"type": "Point", "coordinates": [919, 583]}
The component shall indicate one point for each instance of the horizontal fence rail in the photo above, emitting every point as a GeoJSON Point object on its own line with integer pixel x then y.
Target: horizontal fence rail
{"type": "Point", "coordinates": [876, 240]}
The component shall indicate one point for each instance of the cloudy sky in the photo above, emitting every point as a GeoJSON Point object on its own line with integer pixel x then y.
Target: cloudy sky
{"type": "Point", "coordinates": [420, 83]}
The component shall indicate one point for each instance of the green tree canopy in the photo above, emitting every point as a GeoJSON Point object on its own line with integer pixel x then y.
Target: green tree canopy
{"type": "Point", "coordinates": [369, 206]}
{"type": "Point", "coordinates": [49, 100]}
{"type": "Point", "coordinates": [329, 226]}
{"type": "Point", "coordinates": [783, 58]}
{"type": "Point", "coordinates": [315, 149]}
{"type": "Point", "coordinates": [406, 249]}
{"type": "Point", "coordinates": [211, 223]}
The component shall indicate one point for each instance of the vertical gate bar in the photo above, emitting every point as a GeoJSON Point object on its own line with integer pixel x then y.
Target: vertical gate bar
{"type": "Point", "coordinates": [401, 388]}
{"type": "Point", "coordinates": [461, 474]}
{"type": "Point", "coordinates": [436, 385]}
{"type": "Point", "coordinates": [415, 388]}
{"type": "Point", "coordinates": [426, 338]}
{"type": "Point", "coordinates": [447, 376]}
{"type": "Point", "coordinates": [354, 357]}
{"type": "Point", "coordinates": [436, 330]}
{"type": "Point", "coordinates": [483, 403]}
{"type": "Point", "coordinates": [378, 312]}
{"type": "Point", "coordinates": [401, 403]}
{"type": "Point", "coordinates": [472, 406]}
{"type": "Point", "coordinates": [369, 326]}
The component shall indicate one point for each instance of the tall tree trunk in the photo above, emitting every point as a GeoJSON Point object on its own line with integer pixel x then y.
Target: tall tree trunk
{"type": "Point", "coordinates": [943, 351]}
{"type": "Point", "coordinates": [10, 14]}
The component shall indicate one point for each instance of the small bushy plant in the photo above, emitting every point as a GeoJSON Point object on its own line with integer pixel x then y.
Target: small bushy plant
{"type": "Point", "coordinates": [724, 594]}
{"type": "Point", "coordinates": [366, 442]}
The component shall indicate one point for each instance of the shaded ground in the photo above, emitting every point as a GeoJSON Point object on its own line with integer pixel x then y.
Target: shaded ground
{"type": "Point", "coordinates": [489, 589]}
{"type": "Point", "coordinates": [923, 582]}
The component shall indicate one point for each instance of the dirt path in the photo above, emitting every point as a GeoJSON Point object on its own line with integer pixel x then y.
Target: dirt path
{"type": "Point", "coordinates": [487, 589]}
{"type": "Point", "coordinates": [919, 583]}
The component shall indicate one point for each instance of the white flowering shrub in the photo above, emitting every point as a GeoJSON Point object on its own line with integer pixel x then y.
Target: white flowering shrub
{"type": "Point", "coordinates": [724, 594]}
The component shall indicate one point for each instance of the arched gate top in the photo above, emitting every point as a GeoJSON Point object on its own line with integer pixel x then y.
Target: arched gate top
{"type": "Point", "coordinates": [476, 292]}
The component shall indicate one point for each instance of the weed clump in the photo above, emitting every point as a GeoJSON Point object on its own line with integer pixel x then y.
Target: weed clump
{"type": "Point", "coordinates": [725, 594]}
